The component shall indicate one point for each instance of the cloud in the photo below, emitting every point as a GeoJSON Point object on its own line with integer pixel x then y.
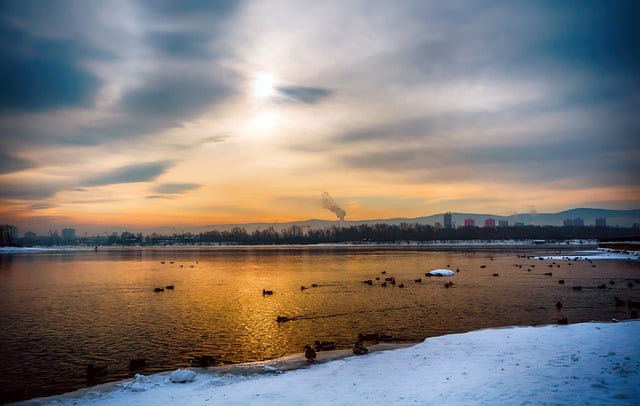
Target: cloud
{"type": "Point", "coordinates": [11, 163]}
{"type": "Point", "coordinates": [577, 160]}
{"type": "Point", "coordinates": [525, 93]}
{"type": "Point", "coordinates": [129, 174]}
{"type": "Point", "coordinates": [38, 74]}
{"type": "Point", "coordinates": [28, 190]}
{"type": "Point", "coordinates": [42, 206]}
{"type": "Point", "coordinates": [39, 190]}
{"type": "Point", "coordinates": [189, 9]}
{"type": "Point", "coordinates": [175, 188]}
{"type": "Point", "coordinates": [179, 44]}
{"type": "Point", "coordinates": [173, 97]}
{"type": "Point", "coordinates": [300, 94]}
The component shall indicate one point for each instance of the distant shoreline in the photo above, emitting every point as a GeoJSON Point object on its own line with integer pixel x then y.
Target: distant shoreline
{"type": "Point", "coordinates": [534, 244]}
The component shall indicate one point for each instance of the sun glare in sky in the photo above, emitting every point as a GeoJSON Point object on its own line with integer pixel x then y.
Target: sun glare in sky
{"type": "Point", "coordinates": [263, 86]}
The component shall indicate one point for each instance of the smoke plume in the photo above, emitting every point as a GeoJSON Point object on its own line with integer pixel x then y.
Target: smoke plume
{"type": "Point", "coordinates": [328, 203]}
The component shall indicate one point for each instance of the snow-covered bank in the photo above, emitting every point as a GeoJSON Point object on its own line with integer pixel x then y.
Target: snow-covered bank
{"type": "Point", "coordinates": [599, 254]}
{"type": "Point", "coordinates": [588, 363]}
{"type": "Point", "coordinates": [31, 250]}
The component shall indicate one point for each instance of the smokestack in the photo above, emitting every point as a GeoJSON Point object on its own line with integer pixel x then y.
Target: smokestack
{"type": "Point", "coordinates": [328, 203]}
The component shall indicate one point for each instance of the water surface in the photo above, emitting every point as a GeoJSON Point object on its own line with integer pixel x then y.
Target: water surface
{"type": "Point", "coordinates": [64, 310]}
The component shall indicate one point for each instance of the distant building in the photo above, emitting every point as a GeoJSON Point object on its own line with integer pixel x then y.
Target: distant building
{"type": "Point", "coordinates": [503, 223]}
{"type": "Point", "coordinates": [489, 223]}
{"type": "Point", "coordinates": [469, 223]}
{"type": "Point", "coordinates": [68, 234]}
{"type": "Point", "coordinates": [447, 221]}
{"type": "Point", "coordinates": [577, 222]}
{"type": "Point", "coordinates": [8, 234]}
{"type": "Point", "coordinates": [601, 222]}
{"type": "Point", "coordinates": [437, 225]}
{"type": "Point", "coordinates": [519, 224]}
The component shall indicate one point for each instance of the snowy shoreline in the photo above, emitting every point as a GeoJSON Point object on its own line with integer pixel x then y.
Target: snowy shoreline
{"type": "Point", "coordinates": [586, 363]}
{"type": "Point", "coordinates": [591, 254]}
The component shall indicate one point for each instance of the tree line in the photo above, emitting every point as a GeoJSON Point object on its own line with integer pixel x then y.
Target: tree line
{"type": "Point", "coordinates": [390, 233]}
{"type": "Point", "coordinates": [377, 233]}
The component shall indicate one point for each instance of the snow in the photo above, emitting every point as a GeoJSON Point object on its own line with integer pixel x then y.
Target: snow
{"type": "Point", "coordinates": [182, 376]}
{"type": "Point", "coordinates": [599, 254]}
{"type": "Point", "coordinates": [32, 250]}
{"type": "Point", "coordinates": [441, 272]}
{"type": "Point", "coordinates": [587, 363]}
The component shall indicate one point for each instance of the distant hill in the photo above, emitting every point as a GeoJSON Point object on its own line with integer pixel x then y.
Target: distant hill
{"type": "Point", "coordinates": [614, 218]}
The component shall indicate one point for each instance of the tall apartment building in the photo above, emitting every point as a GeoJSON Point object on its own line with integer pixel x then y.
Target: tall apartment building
{"type": "Point", "coordinates": [448, 224]}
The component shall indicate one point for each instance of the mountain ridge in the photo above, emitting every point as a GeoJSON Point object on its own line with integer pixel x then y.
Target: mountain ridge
{"type": "Point", "coordinates": [613, 218]}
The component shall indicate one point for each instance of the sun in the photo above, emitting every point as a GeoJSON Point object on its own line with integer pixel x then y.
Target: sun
{"type": "Point", "coordinates": [263, 86]}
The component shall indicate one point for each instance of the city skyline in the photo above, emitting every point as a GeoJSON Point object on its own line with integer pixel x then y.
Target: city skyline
{"type": "Point", "coordinates": [581, 217]}
{"type": "Point", "coordinates": [150, 114]}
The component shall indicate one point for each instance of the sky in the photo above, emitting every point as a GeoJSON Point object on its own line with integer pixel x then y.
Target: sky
{"type": "Point", "coordinates": [142, 114]}
{"type": "Point", "coordinates": [586, 364]}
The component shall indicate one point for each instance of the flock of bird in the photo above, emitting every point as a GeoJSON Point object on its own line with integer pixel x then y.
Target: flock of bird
{"type": "Point", "coordinates": [359, 347]}
{"type": "Point", "coordinates": [633, 306]}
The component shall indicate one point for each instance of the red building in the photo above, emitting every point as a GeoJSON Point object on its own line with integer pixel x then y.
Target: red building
{"type": "Point", "coordinates": [489, 223]}
{"type": "Point", "coordinates": [469, 223]}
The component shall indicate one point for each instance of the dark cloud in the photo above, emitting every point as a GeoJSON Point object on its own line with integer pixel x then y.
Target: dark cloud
{"type": "Point", "coordinates": [39, 74]}
{"type": "Point", "coordinates": [129, 174]}
{"type": "Point", "coordinates": [46, 55]}
{"type": "Point", "coordinates": [173, 9]}
{"type": "Point", "coordinates": [591, 44]}
{"type": "Point", "coordinates": [300, 94]}
{"type": "Point", "coordinates": [175, 188]}
{"type": "Point", "coordinates": [190, 29]}
{"type": "Point", "coordinates": [174, 96]}
{"type": "Point", "coordinates": [180, 44]}
{"type": "Point", "coordinates": [42, 206]}
{"type": "Point", "coordinates": [127, 127]}
{"type": "Point", "coordinates": [412, 128]}
{"type": "Point", "coordinates": [594, 36]}
{"type": "Point", "coordinates": [11, 163]}
{"type": "Point", "coordinates": [586, 162]}
{"type": "Point", "coordinates": [37, 190]}
{"type": "Point", "coordinates": [28, 190]}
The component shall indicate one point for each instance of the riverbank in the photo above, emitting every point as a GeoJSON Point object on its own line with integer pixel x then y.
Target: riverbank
{"type": "Point", "coordinates": [586, 363]}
